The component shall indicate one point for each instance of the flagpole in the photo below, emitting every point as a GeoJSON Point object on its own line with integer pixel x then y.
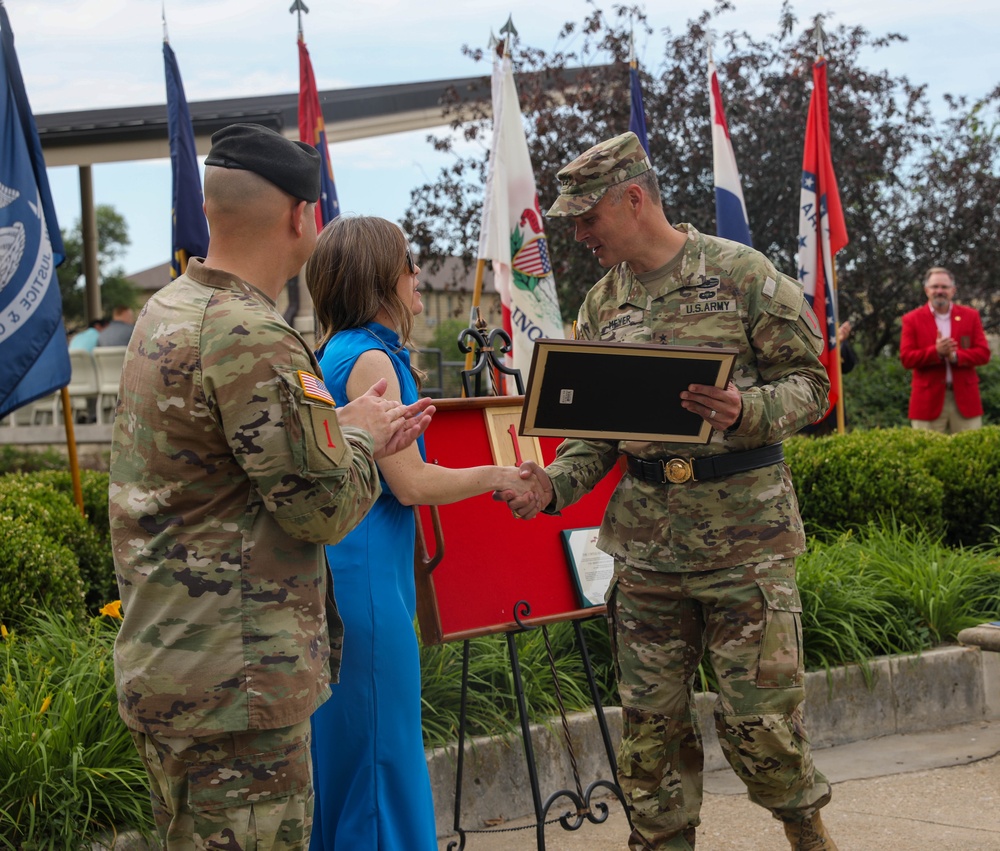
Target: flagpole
{"type": "Point", "coordinates": [841, 420]}
{"type": "Point", "coordinates": [502, 47]}
{"type": "Point", "coordinates": [477, 294]}
{"type": "Point", "coordinates": [840, 374]}
{"type": "Point", "coordinates": [74, 461]}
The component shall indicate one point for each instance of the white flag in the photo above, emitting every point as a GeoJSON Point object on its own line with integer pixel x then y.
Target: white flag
{"type": "Point", "coordinates": [512, 234]}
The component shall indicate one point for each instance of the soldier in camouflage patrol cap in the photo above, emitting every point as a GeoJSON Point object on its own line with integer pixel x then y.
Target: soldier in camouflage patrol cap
{"type": "Point", "coordinates": [585, 180]}
{"type": "Point", "coordinates": [230, 468]}
{"type": "Point", "coordinates": [704, 537]}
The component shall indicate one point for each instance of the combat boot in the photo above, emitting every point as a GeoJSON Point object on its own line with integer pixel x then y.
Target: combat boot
{"type": "Point", "coordinates": [809, 835]}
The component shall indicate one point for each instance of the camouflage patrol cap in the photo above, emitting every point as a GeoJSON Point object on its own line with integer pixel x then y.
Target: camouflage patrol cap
{"type": "Point", "coordinates": [293, 167]}
{"type": "Point", "coordinates": [590, 175]}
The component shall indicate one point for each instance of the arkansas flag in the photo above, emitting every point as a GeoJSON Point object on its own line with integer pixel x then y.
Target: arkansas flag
{"type": "Point", "coordinates": [512, 234]}
{"type": "Point", "coordinates": [731, 217]}
{"type": "Point", "coordinates": [822, 232]}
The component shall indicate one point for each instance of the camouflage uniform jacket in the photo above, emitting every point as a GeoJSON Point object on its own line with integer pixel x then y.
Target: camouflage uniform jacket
{"type": "Point", "coordinates": [720, 294]}
{"type": "Point", "coordinates": [228, 473]}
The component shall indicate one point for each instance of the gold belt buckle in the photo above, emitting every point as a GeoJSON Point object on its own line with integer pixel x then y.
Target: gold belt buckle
{"type": "Point", "coordinates": [677, 470]}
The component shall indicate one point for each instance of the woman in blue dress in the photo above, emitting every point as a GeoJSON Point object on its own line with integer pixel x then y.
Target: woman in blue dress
{"type": "Point", "coordinates": [370, 773]}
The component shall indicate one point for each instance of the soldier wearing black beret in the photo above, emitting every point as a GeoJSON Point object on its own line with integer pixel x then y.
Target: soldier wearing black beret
{"type": "Point", "coordinates": [231, 467]}
{"type": "Point", "coordinates": [293, 167]}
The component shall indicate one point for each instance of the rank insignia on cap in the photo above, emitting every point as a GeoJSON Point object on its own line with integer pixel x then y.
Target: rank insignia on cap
{"type": "Point", "coordinates": [314, 388]}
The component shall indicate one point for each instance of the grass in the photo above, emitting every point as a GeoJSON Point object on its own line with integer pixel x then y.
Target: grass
{"type": "Point", "coordinates": [69, 772]}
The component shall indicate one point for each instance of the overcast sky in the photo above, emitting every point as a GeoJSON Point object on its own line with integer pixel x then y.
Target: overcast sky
{"type": "Point", "coordinates": [83, 54]}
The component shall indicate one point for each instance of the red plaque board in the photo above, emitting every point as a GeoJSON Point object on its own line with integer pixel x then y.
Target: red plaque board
{"type": "Point", "coordinates": [482, 562]}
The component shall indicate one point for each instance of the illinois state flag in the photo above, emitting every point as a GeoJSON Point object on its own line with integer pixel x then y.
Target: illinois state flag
{"type": "Point", "coordinates": [731, 217]}
{"type": "Point", "coordinates": [189, 229]}
{"type": "Point", "coordinates": [822, 231]}
{"type": "Point", "coordinates": [512, 233]}
{"type": "Point", "coordinates": [312, 131]}
{"type": "Point", "coordinates": [34, 359]}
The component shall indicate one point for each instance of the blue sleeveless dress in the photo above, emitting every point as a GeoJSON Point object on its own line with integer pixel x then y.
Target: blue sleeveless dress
{"type": "Point", "coordinates": [370, 776]}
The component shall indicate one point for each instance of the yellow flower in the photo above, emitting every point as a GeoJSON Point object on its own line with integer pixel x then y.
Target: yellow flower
{"type": "Point", "coordinates": [113, 610]}
{"type": "Point", "coordinates": [45, 705]}
{"type": "Point", "coordinates": [3, 631]}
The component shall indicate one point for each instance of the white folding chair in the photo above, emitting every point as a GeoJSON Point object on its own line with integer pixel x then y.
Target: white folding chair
{"type": "Point", "coordinates": [84, 387]}
{"type": "Point", "coordinates": [109, 361]}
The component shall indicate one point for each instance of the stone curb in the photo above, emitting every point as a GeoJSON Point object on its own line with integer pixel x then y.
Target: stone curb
{"type": "Point", "coordinates": [943, 687]}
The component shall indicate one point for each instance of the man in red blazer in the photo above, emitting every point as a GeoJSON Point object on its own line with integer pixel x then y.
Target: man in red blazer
{"type": "Point", "coordinates": [943, 343]}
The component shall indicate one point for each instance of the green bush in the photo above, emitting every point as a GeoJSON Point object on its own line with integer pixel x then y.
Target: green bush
{"type": "Point", "coordinates": [57, 518]}
{"type": "Point", "coordinates": [968, 466]}
{"type": "Point", "coordinates": [15, 459]}
{"type": "Point", "coordinates": [844, 481]}
{"type": "Point", "coordinates": [69, 773]}
{"type": "Point", "coordinates": [877, 393]}
{"type": "Point", "coordinates": [989, 391]}
{"type": "Point", "coordinates": [94, 486]}
{"type": "Point", "coordinates": [35, 572]}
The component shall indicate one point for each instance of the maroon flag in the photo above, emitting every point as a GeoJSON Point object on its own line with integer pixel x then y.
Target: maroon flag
{"type": "Point", "coordinates": [312, 131]}
{"type": "Point", "coordinates": [822, 231]}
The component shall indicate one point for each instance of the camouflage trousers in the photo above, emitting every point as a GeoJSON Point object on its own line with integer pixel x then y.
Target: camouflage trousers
{"type": "Point", "coordinates": [249, 791]}
{"type": "Point", "coordinates": [748, 621]}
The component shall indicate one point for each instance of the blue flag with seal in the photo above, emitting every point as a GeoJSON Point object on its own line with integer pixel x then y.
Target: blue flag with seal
{"type": "Point", "coordinates": [34, 359]}
{"type": "Point", "coordinates": [189, 229]}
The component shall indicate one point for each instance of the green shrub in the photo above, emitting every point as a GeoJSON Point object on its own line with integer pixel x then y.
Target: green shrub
{"type": "Point", "coordinates": [35, 572]}
{"type": "Point", "coordinates": [56, 517]}
{"type": "Point", "coordinates": [94, 486]}
{"type": "Point", "coordinates": [845, 481]}
{"type": "Point", "coordinates": [968, 466]}
{"type": "Point", "coordinates": [877, 393]}
{"type": "Point", "coordinates": [989, 391]}
{"type": "Point", "coordinates": [15, 459]}
{"type": "Point", "coordinates": [69, 772]}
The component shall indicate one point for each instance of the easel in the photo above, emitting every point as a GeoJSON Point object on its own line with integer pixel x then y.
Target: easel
{"type": "Point", "coordinates": [558, 600]}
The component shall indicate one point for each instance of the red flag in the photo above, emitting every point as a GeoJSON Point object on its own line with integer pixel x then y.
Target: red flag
{"type": "Point", "coordinates": [822, 232]}
{"type": "Point", "coordinates": [312, 131]}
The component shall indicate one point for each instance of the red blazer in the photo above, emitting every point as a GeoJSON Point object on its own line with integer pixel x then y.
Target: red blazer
{"type": "Point", "coordinates": [918, 353]}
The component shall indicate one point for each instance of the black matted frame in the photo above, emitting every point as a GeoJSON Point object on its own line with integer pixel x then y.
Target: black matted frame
{"type": "Point", "coordinates": [619, 391]}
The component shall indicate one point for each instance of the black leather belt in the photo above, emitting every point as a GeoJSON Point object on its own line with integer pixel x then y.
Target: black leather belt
{"type": "Point", "coordinates": [678, 470]}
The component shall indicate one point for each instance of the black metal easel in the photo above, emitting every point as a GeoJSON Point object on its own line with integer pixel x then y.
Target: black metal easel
{"type": "Point", "coordinates": [581, 799]}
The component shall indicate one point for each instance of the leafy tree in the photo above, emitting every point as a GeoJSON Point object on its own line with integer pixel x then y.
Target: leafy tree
{"type": "Point", "coordinates": [914, 194]}
{"type": "Point", "coordinates": [112, 240]}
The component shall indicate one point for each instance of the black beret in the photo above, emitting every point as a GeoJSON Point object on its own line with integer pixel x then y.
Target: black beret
{"type": "Point", "coordinates": [291, 166]}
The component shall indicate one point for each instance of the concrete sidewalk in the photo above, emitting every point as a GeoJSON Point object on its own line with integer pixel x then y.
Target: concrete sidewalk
{"type": "Point", "coordinates": [938, 789]}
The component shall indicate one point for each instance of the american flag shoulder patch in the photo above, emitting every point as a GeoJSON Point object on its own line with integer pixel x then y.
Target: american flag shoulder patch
{"type": "Point", "coordinates": [314, 388]}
